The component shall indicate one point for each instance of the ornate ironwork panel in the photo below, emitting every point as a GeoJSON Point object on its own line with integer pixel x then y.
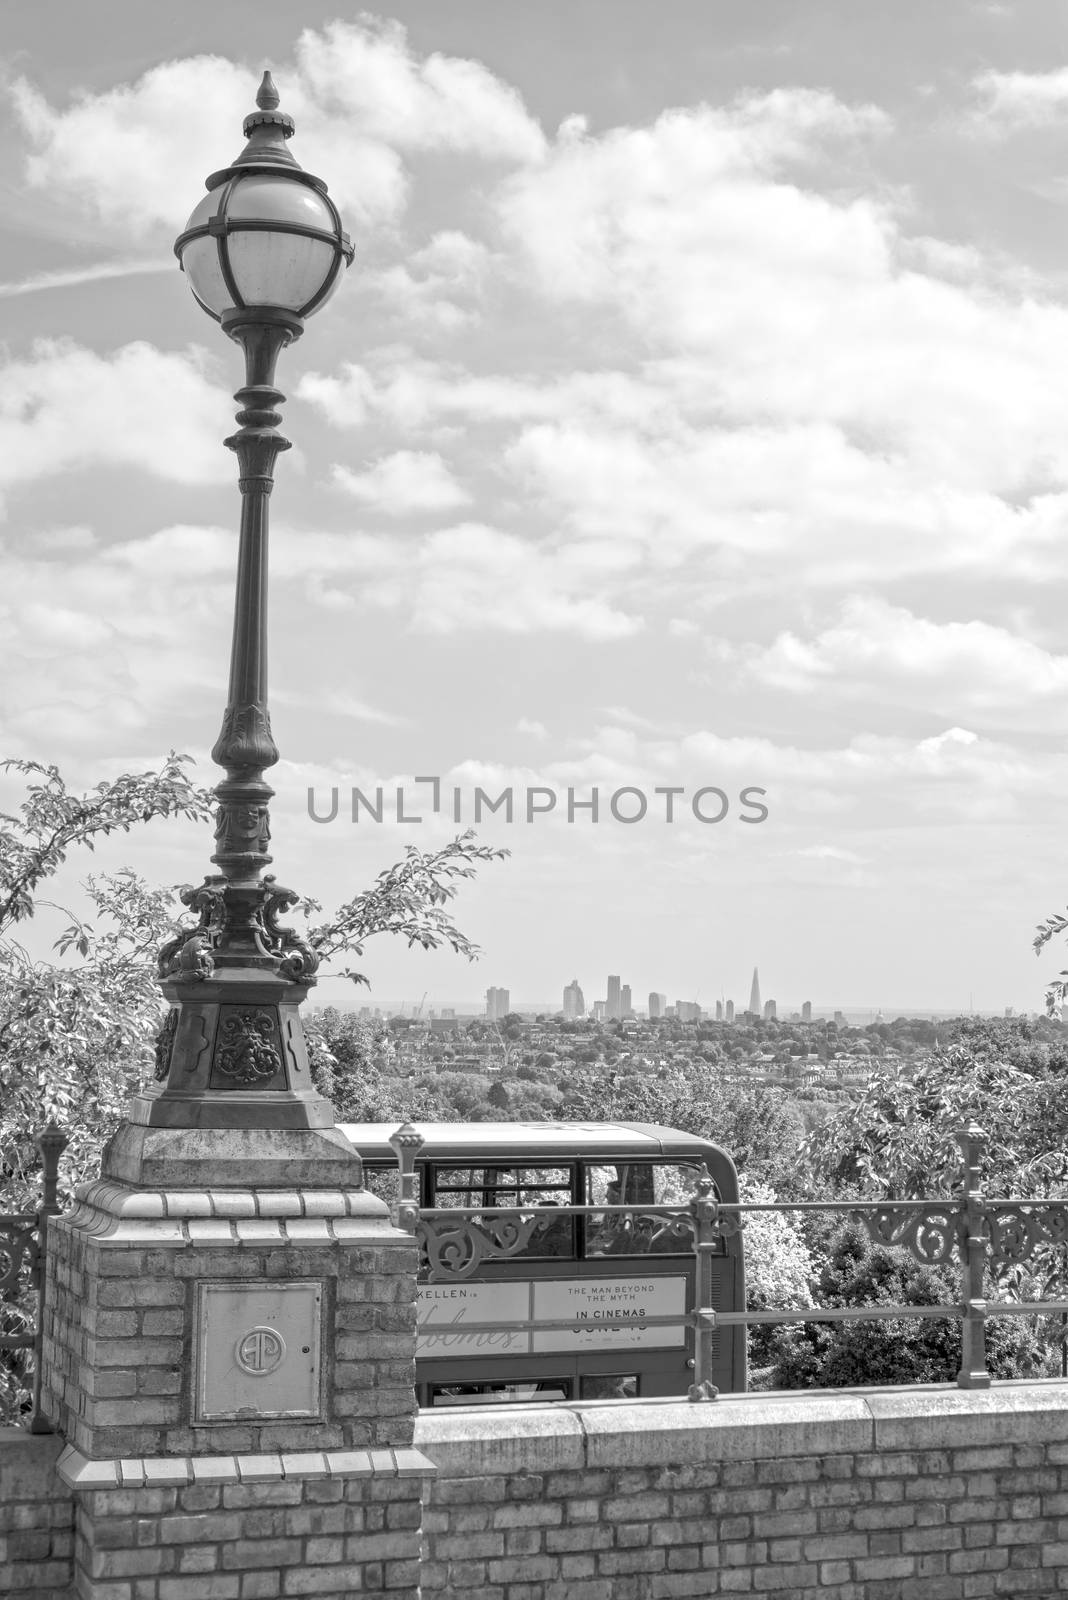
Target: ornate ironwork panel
{"type": "Point", "coordinates": [1016, 1229]}
{"type": "Point", "coordinates": [20, 1262]}
{"type": "Point", "coordinates": [927, 1232]}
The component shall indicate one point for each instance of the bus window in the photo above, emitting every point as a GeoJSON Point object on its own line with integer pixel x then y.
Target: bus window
{"type": "Point", "coordinates": [635, 1183]}
{"type": "Point", "coordinates": [524, 1188]}
{"type": "Point", "coordinates": [617, 1386]}
{"type": "Point", "coordinates": [522, 1392]}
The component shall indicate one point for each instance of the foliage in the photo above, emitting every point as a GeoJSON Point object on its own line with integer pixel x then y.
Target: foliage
{"type": "Point", "coordinates": [348, 1058]}
{"type": "Point", "coordinates": [896, 1137]}
{"type": "Point", "coordinates": [759, 1128]}
{"type": "Point", "coordinates": [779, 1266]}
{"type": "Point", "coordinates": [895, 1350]}
{"type": "Point", "coordinates": [75, 1038]}
{"type": "Point", "coordinates": [1052, 928]}
{"type": "Point", "coordinates": [34, 844]}
{"type": "Point", "coordinates": [409, 899]}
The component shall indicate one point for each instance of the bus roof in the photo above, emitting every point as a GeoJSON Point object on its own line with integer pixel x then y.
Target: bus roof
{"type": "Point", "coordinates": [452, 1140]}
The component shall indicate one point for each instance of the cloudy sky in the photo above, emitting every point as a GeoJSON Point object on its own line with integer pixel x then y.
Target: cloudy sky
{"type": "Point", "coordinates": [695, 416]}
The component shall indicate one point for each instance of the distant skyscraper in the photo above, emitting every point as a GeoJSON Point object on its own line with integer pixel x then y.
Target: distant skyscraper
{"type": "Point", "coordinates": [612, 1004]}
{"type": "Point", "coordinates": [687, 1011]}
{"type": "Point", "coordinates": [730, 1010]}
{"type": "Point", "coordinates": [806, 1011]}
{"type": "Point", "coordinates": [839, 1019]}
{"type": "Point", "coordinates": [769, 1008]}
{"type": "Point", "coordinates": [657, 1005]}
{"type": "Point", "coordinates": [719, 1010]}
{"type": "Point", "coordinates": [599, 1009]}
{"type": "Point", "coordinates": [574, 1002]}
{"type": "Point", "coordinates": [626, 1009]}
{"type": "Point", "coordinates": [496, 1004]}
{"type": "Point", "coordinates": [754, 995]}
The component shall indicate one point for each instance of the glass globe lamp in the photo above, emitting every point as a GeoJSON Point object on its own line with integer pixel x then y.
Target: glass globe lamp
{"type": "Point", "coordinates": [266, 236]}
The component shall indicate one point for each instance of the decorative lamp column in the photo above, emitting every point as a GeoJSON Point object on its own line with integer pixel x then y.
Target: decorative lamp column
{"type": "Point", "coordinates": [230, 1314]}
{"type": "Point", "coordinates": [263, 250]}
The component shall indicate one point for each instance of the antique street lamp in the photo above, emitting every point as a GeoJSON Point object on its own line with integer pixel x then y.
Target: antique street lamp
{"type": "Point", "coordinates": [264, 249]}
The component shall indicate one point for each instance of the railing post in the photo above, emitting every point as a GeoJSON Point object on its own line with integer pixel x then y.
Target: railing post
{"type": "Point", "coordinates": [406, 1144]}
{"type": "Point", "coordinates": [704, 1210]}
{"type": "Point", "coordinates": [51, 1142]}
{"type": "Point", "coordinates": [972, 1243]}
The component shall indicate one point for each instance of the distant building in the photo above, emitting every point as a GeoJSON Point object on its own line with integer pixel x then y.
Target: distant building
{"type": "Point", "coordinates": [730, 1010]}
{"type": "Point", "coordinates": [657, 1005]}
{"type": "Point", "coordinates": [574, 1001]}
{"type": "Point", "coordinates": [496, 1004]}
{"type": "Point", "coordinates": [719, 1010]}
{"type": "Point", "coordinates": [769, 1011]}
{"type": "Point", "coordinates": [687, 1011]}
{"type": "Point", "coordinates": [806, 1011]}
{"type": "Point", "coordinates": [612, 1004]}
{"type": "Point", "coordinates": [839, 1019]}
{"type": "Point", "coordinates": [626, 1009]}
{"type": "Point", "coordinates": [599, 1009]}
{"type": "Point", "coordinates": [754, 995]}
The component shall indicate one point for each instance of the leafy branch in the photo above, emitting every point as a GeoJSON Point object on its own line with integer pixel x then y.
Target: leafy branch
{"type": "Point", "coordinates": [35, 845]}
{"type": "Point", "coordinates": [409, 898]}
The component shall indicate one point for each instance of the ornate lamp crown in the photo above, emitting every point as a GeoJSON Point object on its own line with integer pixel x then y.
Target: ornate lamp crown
{"type": "Point", "coordinates": [266, 234]}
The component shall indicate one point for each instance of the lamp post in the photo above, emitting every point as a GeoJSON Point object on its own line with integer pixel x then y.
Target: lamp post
{"type": "Point", "coordinates": [263, 250]}
{"type": "Point", "coordinates": [228, 1307]}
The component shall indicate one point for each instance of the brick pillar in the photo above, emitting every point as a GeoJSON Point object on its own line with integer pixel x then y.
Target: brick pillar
{"type": "Point", "coordinates": [230, 1359]}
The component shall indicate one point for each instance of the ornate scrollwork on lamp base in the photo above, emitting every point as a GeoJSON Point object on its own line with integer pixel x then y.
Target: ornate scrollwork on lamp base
{"type": "Point", "coordinates": [247, 1052]}
{"type": "Point", "coordinates": [165, 1045]}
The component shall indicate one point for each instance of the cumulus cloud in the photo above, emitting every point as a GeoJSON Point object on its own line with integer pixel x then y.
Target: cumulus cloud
{"type": "Point", "coordinates": [98, 639]}
{"type": "Point", "coordinates": [478, 578]}
{"type": "Point", "coordinates": [361, 98]}
{"type": "Point", "coordinates": [65, 406]}
{"type": "Point", "coordinates": [407, 481]}
{"type": "Point", "coordinates": [1008, 102]}
{"type": "Point", "coordinates": [879, 651]}
{"type": "Point", "coordinates": [767, 303]}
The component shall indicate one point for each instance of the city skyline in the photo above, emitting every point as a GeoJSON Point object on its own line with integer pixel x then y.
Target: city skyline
{"type": "Point", "coordinates": [691, 421]}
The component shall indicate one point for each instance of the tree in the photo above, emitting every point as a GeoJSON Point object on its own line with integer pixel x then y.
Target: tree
{"type": "Point", "coordinates": [895, 1350]}
{"type": "Point", "coordinates": [758, 1127]}
{"type": "Point", "coordinates": [896, 1138]}
{"type": "Point", "coordinates": [76, 1037]}
{"type": "Point", "coordinates": [349, 1058]}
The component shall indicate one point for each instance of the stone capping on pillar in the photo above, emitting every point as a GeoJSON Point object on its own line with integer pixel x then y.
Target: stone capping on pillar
{"type": "Point", "coordinates": [163, 1472]}
{"type": "Point", "coordinates": [206, 1217]}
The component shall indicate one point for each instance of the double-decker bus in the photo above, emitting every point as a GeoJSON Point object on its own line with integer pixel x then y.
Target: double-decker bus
{"type": "Point", "coordinates": [607, 1271]}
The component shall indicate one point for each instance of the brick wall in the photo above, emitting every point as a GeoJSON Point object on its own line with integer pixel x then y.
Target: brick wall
{"type": "Point", "coordinates": [318, 1534]}
{"type": "Point", "coordinates": [911, 1494]}
{"type": "Point", "coordinates": [36, 1518]}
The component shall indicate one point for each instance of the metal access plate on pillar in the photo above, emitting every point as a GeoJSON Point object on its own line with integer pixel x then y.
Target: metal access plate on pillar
{"type": "Point", "coordinates": [258, 1350]}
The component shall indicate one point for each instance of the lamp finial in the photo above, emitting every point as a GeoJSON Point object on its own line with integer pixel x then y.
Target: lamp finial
{"type": "Point", "coordinates": [267, 95]}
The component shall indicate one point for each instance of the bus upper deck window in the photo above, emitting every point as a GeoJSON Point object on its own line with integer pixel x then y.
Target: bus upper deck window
{"type": "Point", "coordinates": [638, 1183]}
{"type": "Point", "coordinates": [524, 1188]}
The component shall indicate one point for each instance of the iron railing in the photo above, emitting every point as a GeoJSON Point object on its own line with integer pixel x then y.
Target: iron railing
{"type": "Point", "coordinates": [976, 1233]}
{"type": "Point", "coordinates": [23, 1241]}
